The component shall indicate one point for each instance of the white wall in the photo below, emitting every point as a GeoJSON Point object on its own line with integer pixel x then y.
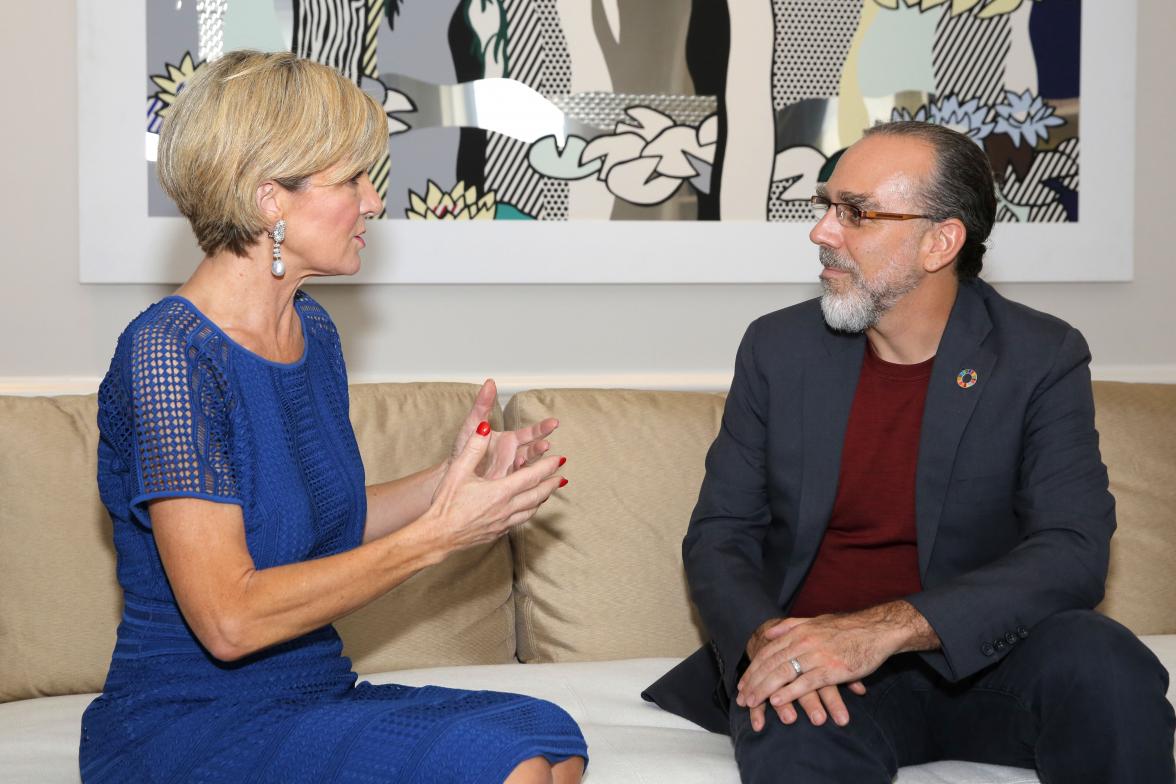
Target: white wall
{"type": "Point", "coordinates": [54, 329]}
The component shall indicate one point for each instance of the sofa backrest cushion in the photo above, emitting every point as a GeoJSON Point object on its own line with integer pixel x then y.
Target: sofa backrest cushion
{"type": "Point", "coordinates": [598, 571]}
{"type": "Point", "coordinates": [60, 602]}
{"type": "Point", "coordinates": [59, 598]}
{"type": "Point", "coordinates": [459, 611]}
{"type": "Point", "coordinates": [1137, 430]}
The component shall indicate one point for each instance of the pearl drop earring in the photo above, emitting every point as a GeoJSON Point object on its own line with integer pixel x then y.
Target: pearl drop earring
{"type": "Point", "coordinates": [278, 268]}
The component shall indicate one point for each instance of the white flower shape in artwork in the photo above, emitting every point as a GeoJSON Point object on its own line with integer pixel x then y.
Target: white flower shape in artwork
{"type": "Point", "coordinates": [1025, 115]}
{"type": "Point", "coordinates": [643, 161]}
{"type": "Point", "coordinates": [393, 102]}
{"type": "Point", "coordinates": [550, 160]}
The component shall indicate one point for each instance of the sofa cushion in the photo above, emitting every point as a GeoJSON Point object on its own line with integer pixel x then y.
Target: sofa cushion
{"type": "Point", "coordinates": [1137, 429]}
{"type": "Point", "coordinates": [59, 598]}
{"type": "Point", "coordinates": [459, 611]}
{"type": "Point", "coordinates": [598, 571]}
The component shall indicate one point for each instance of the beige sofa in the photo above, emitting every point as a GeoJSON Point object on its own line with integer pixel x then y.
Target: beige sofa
{"type": "Point", "coordinates": [590, 594]}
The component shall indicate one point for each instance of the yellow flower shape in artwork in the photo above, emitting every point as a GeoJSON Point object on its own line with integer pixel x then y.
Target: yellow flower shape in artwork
{"type": "Point", "coordinates": [171, 83]}
{"type": "Point", "coordinates": [461, 203]}
{"type": "Point", "coordinates": [985, 8]}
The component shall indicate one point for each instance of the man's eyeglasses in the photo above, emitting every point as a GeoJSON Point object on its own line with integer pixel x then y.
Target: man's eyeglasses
{"type": "Point", "coordinates": [850, 216]}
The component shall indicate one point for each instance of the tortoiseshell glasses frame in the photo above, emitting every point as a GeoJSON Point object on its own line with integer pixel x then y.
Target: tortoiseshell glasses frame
{"type": "Point", "coordinates": [850, 215]}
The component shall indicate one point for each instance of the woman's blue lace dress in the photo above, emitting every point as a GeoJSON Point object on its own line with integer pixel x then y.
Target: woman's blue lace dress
{"type": "Point", "coordinates": [185, 411]}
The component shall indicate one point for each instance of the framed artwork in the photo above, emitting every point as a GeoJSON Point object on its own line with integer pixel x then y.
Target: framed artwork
{"type": "Point", "coordinates": [565, 141]}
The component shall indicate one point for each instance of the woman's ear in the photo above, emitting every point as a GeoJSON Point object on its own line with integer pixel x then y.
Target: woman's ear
{"type": "Point", "coordinates": [269, 201]}
{"type": "Point", "coordinates": [947, 240]}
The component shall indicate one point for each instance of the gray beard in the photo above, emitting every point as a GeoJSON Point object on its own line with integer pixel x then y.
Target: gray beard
{"type": "Point", "coordinates": [864, 302]}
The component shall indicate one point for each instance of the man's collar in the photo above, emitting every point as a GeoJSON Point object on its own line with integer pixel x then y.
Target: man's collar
{"type": "Point", "coordinates": [969, 322]}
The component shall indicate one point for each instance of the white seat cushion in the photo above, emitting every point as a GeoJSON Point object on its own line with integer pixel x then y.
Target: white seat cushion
{"type": "Point", "coordinates": [39, 739]}
{"type": "Point", "coordinates": [628, 740]}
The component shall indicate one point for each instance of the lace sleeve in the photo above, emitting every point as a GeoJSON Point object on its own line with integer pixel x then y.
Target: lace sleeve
{"type": "Point", "coordinates": [180, 409]}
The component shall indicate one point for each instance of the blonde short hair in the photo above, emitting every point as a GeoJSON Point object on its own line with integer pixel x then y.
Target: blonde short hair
{"type": "Point", "coordinates": [249, 117]}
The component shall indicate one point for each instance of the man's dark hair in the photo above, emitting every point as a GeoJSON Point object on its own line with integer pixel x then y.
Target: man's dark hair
{"type": "Point", "coordinates": [961, 186]}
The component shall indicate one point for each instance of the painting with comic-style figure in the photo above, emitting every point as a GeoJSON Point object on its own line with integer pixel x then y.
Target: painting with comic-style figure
{"type": "Point", "coordinates": [669, 110]}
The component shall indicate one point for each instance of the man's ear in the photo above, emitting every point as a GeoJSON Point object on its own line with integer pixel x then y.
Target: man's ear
{"type": "Point", "coordinates": [269, 201]}
{"type": "Point", "coordinates": [946, 241]}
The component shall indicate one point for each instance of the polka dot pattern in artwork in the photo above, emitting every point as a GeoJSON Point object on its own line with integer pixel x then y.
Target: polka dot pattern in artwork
{"type": "Point", "coordinates": [557, 63]}
{"type": "Point", "coordinates": [781, 210]}
{"type": "Point", "coordinates": [812, 40]}
{"type": "Point", "coordinates": [556, 80]}
{"type": "Point", "coordinates": [555, 200]}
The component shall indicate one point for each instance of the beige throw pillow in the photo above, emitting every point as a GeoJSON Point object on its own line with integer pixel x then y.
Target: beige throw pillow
{"type": "Point", "coordinates": [59, 598]}
{"type": "Point", "coordinates": [598, 571]}
{"type": "Point", "coordinates": [1137, 436]}
{"type": "Point", "coordinates": [459, 611]}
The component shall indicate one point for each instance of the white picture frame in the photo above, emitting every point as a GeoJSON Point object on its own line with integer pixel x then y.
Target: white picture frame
{"type": "Point", "coordinates": [120, 243]}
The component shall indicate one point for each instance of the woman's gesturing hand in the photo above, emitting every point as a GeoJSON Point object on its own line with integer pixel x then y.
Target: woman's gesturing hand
{"type": "Point", "coordinates": [469, 509]}
{"type": "Point", "coordinates": [508, 450]}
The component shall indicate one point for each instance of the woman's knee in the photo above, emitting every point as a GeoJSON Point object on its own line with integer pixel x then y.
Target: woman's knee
{"type": "Point", "coordinates": [535, 770]}
{"type": "Point", "coordinates": [569, 771]}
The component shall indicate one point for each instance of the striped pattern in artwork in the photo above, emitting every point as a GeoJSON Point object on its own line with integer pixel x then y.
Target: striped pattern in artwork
{"type": "Point", "coordinates": [1061, 163]}
{"type": "Point", "coordinates": [968, 57]}
{"type": "Point", "coordinates": [369, 66]}
{"type": "Point", "coordinates": [331, 32]}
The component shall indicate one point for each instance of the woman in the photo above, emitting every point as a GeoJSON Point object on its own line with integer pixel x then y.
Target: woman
{"type": "Point", "coordinates": [228, 464]}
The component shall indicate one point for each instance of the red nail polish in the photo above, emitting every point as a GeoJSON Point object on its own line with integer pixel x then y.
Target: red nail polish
{"type": "Point", "coordinates": [484, 429]}
{"type": "Point", "coordinates": [562, 460]}
{"type": "Point", "coordinates": [562, 482]}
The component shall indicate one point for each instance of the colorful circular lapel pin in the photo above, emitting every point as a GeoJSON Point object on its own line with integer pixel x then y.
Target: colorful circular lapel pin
{"type": "Point", "coordinates": [967, 378]}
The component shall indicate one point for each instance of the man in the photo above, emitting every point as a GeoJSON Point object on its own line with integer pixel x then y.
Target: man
{"type": "Point", "coordinates": [905, 521]}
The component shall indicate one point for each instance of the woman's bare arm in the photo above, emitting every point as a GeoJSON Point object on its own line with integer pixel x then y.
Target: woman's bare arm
{"type": "Point", "coordinates": [236, 609]}
{"type": "Point", "coordinates": [393, 505]}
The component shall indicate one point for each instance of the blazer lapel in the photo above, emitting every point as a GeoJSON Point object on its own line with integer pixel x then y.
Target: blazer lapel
{"type": "Point", "coordinates": [830, 380]}
{"type": "Point", "coordinates": [949, 406]}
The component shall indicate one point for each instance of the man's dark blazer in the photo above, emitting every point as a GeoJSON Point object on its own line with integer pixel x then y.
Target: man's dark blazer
{"type": "Point", "coordinates": [1013, 514]}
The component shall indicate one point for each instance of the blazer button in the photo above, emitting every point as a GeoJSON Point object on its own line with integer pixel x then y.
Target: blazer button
{"type": "Point", "coordinates": [1021, 630]}
{"type": "Point", "coordinates": [987, 649]}
{"type": "Point", "coordinates": [1000, 645]}
{"type": "Point", "coordinates": [1011, 638]}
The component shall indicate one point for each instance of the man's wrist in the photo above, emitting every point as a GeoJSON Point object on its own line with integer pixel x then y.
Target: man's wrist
{"type": "Point", "coordinates": [905, 627]}
{"type": "Point", "coordinates": [758, 638]}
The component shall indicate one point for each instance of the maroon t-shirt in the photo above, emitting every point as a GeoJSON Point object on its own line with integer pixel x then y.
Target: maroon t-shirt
{"type": "Point", "coordinates": [869, 554]}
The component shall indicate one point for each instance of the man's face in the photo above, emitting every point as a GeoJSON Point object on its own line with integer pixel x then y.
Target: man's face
{"type": "Point", "coordinates": [868, 268]}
